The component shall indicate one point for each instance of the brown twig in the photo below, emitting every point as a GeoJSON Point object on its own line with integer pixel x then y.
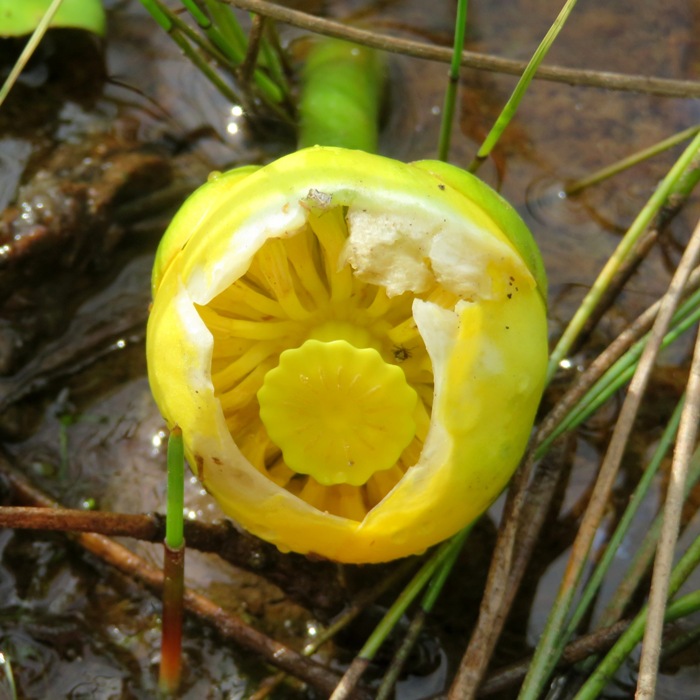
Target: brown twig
{"type": "Point", "coordinates": [314, 585]}
{"type": "Point", "coordinates": [500, 587]}
{"type": "Point", "coordinates": [594, 643]}
{"type": "Point", "coordinates": [611, 81]}
{"type": "Point", "coordinates": [521, 525]}
{"type": "Point", "coordinates": [348, 684]}
{"type": "Point", "coordinates": [227, 624]}
{"type": "Point", "coordinates": [245, 70]}
{"type": "Point", "coordinates": [663, 564]}
{"type": "Point", "coordinates": [544, 661]}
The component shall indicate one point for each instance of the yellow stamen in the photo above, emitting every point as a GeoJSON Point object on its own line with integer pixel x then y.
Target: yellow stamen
{"type": "Point", "coordinates": [263, 330]}
{"type": "Point", "coordinates": [331, 230]}
{"type": "Point", "coordinates": [241, 295]}
{"type": "Point", "coordinates": [244, 392]}
{"type": "Point", "coordinates": [275, 268]}
{"type": "Point", "coordinates": [235, 371]}
{"type": "Point", "coordinates": [304, 254]}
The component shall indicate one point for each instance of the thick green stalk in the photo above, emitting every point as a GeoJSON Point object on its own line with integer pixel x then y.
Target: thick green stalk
{"type": "Point", "coordinates": [174, 526]}
{"type": "Point", "coordinates": [173, 569]}
{"type": "Point", "coordinates": [341, 96]}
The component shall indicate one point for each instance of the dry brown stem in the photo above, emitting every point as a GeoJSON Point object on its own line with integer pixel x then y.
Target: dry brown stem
{"type": "Point", "coordinates": [139, 569]}
{"type": "Point", "coordinates": [594, 643]}
{"type": "Point", "coordinates": [471, 59]}
{"type": "Point", "coordinates": [315, 585]}
{"type": "Point", "coordinates": [503, 580]}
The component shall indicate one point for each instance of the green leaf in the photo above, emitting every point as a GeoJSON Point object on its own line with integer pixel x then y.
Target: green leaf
{"type": "Point", "coordinates": [20, 17]}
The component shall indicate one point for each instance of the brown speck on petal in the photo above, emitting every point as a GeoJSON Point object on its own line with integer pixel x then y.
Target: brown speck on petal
{"type": "Point", "coordinates": [199, 462]}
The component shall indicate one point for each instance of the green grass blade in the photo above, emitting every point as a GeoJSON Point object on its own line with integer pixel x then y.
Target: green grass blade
{"type": "Point", "coordinates": [593, 585]}
{"type": "Point", "coordinates": [629, 162]}
{"type": "Point", "coordinates": [511, 106]}
{"type": "Point", "coordinates": [446, 552]}
{"type": "Point", "coordinates": [621, 372]}
{"type": "Point", "coordinates": [632, 636]}
{"type": "Point", "coordinates": [651, 208]}
{"type": "Point", "coordinates": [448, 108]}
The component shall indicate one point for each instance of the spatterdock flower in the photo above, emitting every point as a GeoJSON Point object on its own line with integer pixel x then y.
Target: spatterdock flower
{"type": "Point", "coordinates": [353, 347]}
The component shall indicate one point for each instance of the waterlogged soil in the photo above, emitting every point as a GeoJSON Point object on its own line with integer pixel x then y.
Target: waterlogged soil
{"type": "Point", "coordinates": [94, 128]}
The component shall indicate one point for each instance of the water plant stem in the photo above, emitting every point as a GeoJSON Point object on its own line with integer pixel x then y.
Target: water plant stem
{"type": "Point", "coordinates": [164, 17]}
{"type": "Point", "coordinates": [687, 433]}
{"type": "Point", "coordinates": [444, 552]}
{"type": "Point", "coordinates": [596, 579]}
{"type": "Point", "coordinates": [552, 639]}
{"type": "Point", "coordinates": [359, 604]}
{"type": "Point", "coordinates": [340, 97]}
{"type": "Point", "coordinates": [448, 107]}
{"type": "Point", "coordinates": [653, 205]}
{"type": "Point", "coordinates": [682, 607]}
{"type": "Point", "coordinates": [510, 108]}
{"type": "Point", "coordinates": [8, 689]}
{"type": "Point", "coordinates": [430, 597]}
{"type": "Point", "coordinates": [625, 163]}
{"type": "Point", "coordinates": [174, 527]}
{"type": "Point", "coordinates": [173, 569]}
{"type": "Point", "coordinates": [619, 373]}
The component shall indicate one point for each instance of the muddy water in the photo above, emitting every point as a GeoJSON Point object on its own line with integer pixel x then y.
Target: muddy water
{"type": "Point", "coordinates": [78, 416]}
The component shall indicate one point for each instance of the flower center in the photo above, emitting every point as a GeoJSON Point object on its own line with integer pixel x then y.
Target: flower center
{"type": "Point", "coordinates": [337, 412]}
{"type": "Point", "coordinates": [367, 360]}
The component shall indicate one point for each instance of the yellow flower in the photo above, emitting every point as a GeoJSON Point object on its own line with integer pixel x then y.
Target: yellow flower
{"type": "Point", "coordinates": [353, 347]}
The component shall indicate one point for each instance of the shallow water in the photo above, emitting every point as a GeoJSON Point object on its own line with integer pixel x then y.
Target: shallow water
{"type": "Point", "coordinates": [82, 423]}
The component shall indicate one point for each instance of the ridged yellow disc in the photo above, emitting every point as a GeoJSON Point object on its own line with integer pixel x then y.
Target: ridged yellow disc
{"type": "Point", "coordinates": [337, 412]}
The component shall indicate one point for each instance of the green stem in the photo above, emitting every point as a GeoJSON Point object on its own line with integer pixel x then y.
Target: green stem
{"type": "Point", "coordinates": [684, 606]}
{"type": "Point", "coordinates": [611, 549]}
{"type": "Point", "coordinates": [174, 524]}
{"type": "Point", "coordinates": [173, 569]}
{"type": "Point", "coordinates": [429, 599]}
{"type": "Point", "coordinates": [448, 108]}
{"type": "Point", "coordinates": [341, 96]}
{"type": "Point", "coordinates": [162, 15]}
{"type": "Point", "coordinates": [448, 550]}
{"type": "Point", "coordinates": [621, 372]}
{"type": "Point", "coordinates": [513, 103]}
{"type": "Point", "coordinates": [630, 161]}
{"type": "Point", "coordinates": [653, 205]}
